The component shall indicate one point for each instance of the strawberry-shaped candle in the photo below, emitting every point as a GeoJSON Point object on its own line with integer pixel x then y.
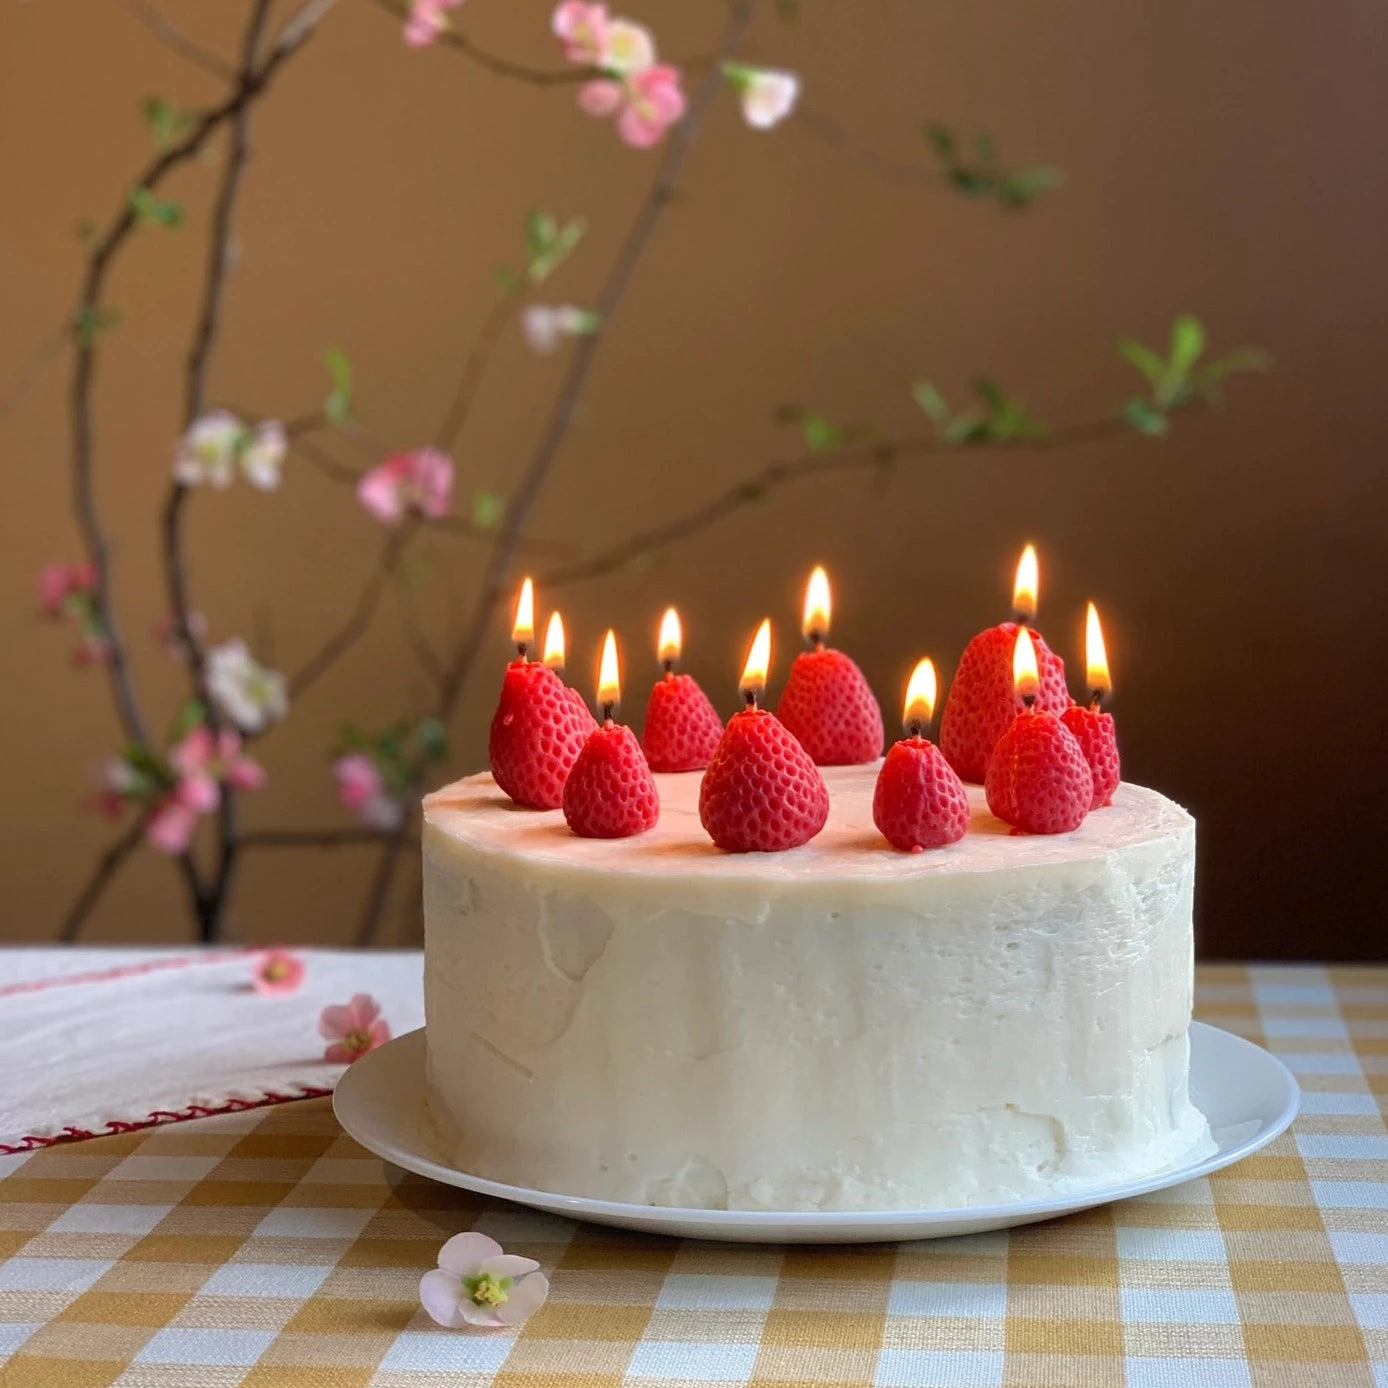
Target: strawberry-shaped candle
{"type": "Point", "coordinates": [539, 726]}
{"type": "Point", "coordinates": [761, 793]}
{"type": "Point", "coordinates": [1038, 780]}
{"type": "Point", "coordinates": [1093, 729]}
{"type": "Point", "coordinates": [610, 792]}
{"type": "Point", "coordinates": [919, 802]}
{"type": "Point", "coordinates": [826, 703]}
{"type": "Point", "coordinates": [683, 728]}
{"type": "Point", "coordinates": [982, 700]}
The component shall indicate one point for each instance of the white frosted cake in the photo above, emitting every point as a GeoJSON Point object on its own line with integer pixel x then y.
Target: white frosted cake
{"type": "Point", "coordinates": [838, 1027]}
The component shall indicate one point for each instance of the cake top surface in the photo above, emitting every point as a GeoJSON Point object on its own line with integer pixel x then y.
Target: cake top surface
{"type": "Point", "coordinates": [474, 812]}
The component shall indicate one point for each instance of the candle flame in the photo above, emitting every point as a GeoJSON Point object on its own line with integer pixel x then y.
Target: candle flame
{"type": "Point", "coordinates": [1095, 655]}
{"type": "Point", "coordinates": [1026, 678]}
{"type": "Point", "coordinates": [921, 690]}
{"type": "Point", "coordinates": [609, 681]}
{"type": "Point", "coordinates": [523, 628]}
{"type": "Point", "coordinates": [554, 642]}
{"type": "Point", "coordinates": [1024, 590]}
{"type": "Point", "coordinates": [758, 660]}
{"type": "Point", "coordinates": [671, 637]}
{"type": "Point", "coordinates": [818, 606]}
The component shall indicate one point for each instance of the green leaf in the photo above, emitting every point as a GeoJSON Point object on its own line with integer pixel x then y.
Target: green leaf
{"type": "Point", "coordinates": [338, 405]}
{"type": "Point", "coordinates": [540, 231]}
{"type": "Point", "coordinates": [928, 397]}
{"type": "Point", "coordinates": [1232, 363]}
{"type": "Point", "coordinates": [969, 426]}
{"type": "Point", "coordinates": [1143, 358]}
{"type": "Point", "coordinates": [1187, 343]}
{"type": "Point", "coordinates": [155, 211]}
{"type": "Point", "coordinates": [560, 247]}
{"type": "Point", "coordinates": [1146, 417]}
{"type": "Point", "coordinates": [432, 738]}
{"type": "Point", "coordinates": [586, 322]}
{"type": "Point", "coordinates": [819, 433]}
{"type": "Point", "coordinates": [192, 714]}
{"type": "Point", "coordinates": [166, 121]}
{"type": "Point", "coordinates": [487, 510]}
{"type": "Point", "coordinates": [90, 323]}
{"type": "Point", "coordinates": [1022, 188]}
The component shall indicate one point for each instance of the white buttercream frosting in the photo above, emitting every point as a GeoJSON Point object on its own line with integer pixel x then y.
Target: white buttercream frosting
{"type": "Point", "coordinates": [839, 1027]}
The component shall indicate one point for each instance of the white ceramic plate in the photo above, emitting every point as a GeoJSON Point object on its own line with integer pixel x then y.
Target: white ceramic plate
{"type": "Point", "coordinates": [1248, 1096]}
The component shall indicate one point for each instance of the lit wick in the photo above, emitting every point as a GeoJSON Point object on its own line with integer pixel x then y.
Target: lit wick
{"type": "Point", "coordinates": [1026, 678]}
{"type": "Point", "coordinates": [758, 663]}
{"type": "Point", "coordinates": [1025, 588]}
{"type": "Point", "coordinates": [669, 641]}
{"type": "Point", "coordinates": [609, 682]}
{"type": "Point", "coordinates": [921, 691]}
{"type": "Point", "coordinates": [523, 628]}
{"type": "Point", "coordinates": [1096, 660]}
{"type": "Point", "coordinates": [554, 644]}
{"type": "Point", "coordinates": [817, 609]}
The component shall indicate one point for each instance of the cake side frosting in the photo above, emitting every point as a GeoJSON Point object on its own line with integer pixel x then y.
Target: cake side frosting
{"type": "Point", "coordinates": [838, 1027]}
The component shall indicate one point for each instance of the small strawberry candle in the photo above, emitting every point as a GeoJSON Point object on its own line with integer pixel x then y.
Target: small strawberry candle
{"type": "Point", "coordinates": [683, 728]}
{"type": "Point", "coordinates": [982, 700]}
{"type": "Point", "coordinates": [610, 793]}
{"type": "Point", "coordinates": [1038, 779]}
{"type": "Point", "coordinates": [539, 726]}
{"type": "Point", "coordinates": [827, 704]}
{"type": "Point", "coordinates": [1092, 728]}
{"type": "Point", "coordinates": [762, 793]}
{"type": "Point", "coordinates": [919, 801]}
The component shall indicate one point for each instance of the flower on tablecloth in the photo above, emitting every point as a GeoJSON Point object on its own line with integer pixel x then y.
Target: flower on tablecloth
{"type": "Point", "coordinates": [478, 1284]}
{"type": "Point", "coordinates": [352, 1029]}
{"type": "Point", "coordinates": [277, 971]}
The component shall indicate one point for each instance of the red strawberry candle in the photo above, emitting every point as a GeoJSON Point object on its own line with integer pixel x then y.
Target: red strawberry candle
{"type": "Point", "coordinates": [610, 792]}
{"type": "Point", "coordinates": [683, 728]}
{"type": "Point", "coordinates": [827, 704]}
{"type": "Point", "coordinates": [761, 793]}
{"type": "Point", "coordinates": [919, 801]}
{"type": "Point", "coordinates": [982, 699]}
{"type": "Point", "coordinates": [1092, 728]}
{"type": "Point", "coordinates": [539, 726]}
{"type": "Point", "coordinates": [1038, 779]}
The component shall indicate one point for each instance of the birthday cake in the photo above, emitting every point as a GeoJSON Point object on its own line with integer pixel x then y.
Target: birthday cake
{"type": "Point", "coordinates": [837, 1027]}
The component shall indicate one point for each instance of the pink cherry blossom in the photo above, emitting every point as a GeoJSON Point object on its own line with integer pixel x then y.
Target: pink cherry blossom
{"type": "Point", "coordinates": [646, 103]}
{"type": "Point", "coordinates": [362, 789]}
{"type": "Point", "coordinates": [217, 757]}
{"type": "Point", "coordinates": [420, 480]}
{"type": "Point", "coordinates": [582, 29]}
{"type": "Point", "coordinates": [170, 827]}
{"type": "Point", "coordinates": [352, 1029]}
{"type": "Point", "coordinates": [277, 971]}
{"type": "Point", "coordinates": [426, 20]}
{"type": "Point", "coordinates": [91, 650]}
{"type": "Point", "coordinates": [477, 1284]}
{"type": "Point", "coordinates": [58, 582]}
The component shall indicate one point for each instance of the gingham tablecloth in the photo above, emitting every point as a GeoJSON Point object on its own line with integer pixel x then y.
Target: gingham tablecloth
{"type": "Point", "coordinates": [266, 1248]}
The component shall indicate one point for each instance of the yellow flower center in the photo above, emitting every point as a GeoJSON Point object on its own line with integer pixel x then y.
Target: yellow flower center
{"type": "Point", "coordinates": [275, 970]}
{"type": "Point", "coordinates": [487, 1290]}
{"type": "Point", "coordinates": [357, 1041]}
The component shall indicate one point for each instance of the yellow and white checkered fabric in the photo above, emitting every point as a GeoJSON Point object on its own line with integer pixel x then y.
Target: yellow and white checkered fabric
{"type": "Point", "coordinates": [267, 1249]}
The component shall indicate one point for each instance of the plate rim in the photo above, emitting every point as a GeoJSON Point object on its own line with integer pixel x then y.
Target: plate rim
{"type": "Point", "coordinates": [625, 1213]}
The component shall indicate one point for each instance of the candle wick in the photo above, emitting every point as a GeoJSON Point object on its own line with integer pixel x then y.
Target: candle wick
{"type": "Point", "coordinates": [1030, 701]}
{"type": "Point", "coordinates": [914, 727]}
{"type": "Point", "coordinates": [751, 696]}
{"type": "Point", "coordinates": [521, 648]}
{"type": "Point", "coordinates": [1096, 697]}
{"type": "Point", "coordinates": [607, 715]}
{"type": "Point", "coordinates": [669, 668]}
{"type": "Point", "coordinates": [1023, 618]}
{"type": "Point", "coordinates": [817, 640]}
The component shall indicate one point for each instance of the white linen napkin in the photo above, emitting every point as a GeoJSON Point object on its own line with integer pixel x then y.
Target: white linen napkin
{"type": "Point", "coordinates": [92, 1040]}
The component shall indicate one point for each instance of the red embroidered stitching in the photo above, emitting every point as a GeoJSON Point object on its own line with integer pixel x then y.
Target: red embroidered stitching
{"type": "Point", "coordinates": [148, 966]}
{"type": "Point", "coordinates": [34, 1141]}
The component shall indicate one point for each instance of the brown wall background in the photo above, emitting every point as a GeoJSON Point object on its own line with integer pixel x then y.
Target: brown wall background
{"type": "Point", "coordinates": [1225, 159]}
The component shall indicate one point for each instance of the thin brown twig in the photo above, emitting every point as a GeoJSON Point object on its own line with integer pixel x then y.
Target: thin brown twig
{"type": "Point", "coordinates": [102, 875]}
{"type": "Point", "coordinates": [429, 660]}
{"type": "Point", "coordinates": [895, 171]}
{"type": "Point", "coordinates": [378, 895]}
{"type": "Point", "coordinates": [475, 367]}
{"type": "Point", "coordinates": [751, 490]}
{"type": "Point", "coordinates": [175, 39]}
{"type": "Point", "coordinates": [359, 620]}
{"type": "Point", "coordinates": [581, 362]}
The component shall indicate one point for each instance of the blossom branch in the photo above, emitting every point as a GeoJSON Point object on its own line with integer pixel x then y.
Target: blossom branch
{"type": "Point", "coordinates": [378, 895]}
{"type": "Point", "coordinates": [858, 457]}
{"type": "Point", "coordinates": [581, 363]}
{"type": "Point", "coordinates": [176, 40]}
{"type": "Point", "coordinates": [475, 367]}
{"type": "Point", "coordinates": [102, 875]}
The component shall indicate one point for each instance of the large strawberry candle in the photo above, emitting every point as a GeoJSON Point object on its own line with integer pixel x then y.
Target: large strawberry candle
{"type": "Point", "coordinates": [682, 728]}
{"type": "Point", "coordinates": [1093, 729]}
{"type": "Point", "coordinates": [919, 801]}
{"type": "Point", "coordinates": [540, 724]}
{"type": "Point", "coordinates": [762, 793]}
{"type": "Point", "coordinates": [1038, 779]}
{"type": "Point", "coordinates": [982, 698]}
{"type": "Point", "coordinates": [610, 792]}
{"type": "Point", "coordinates": [827, 704]}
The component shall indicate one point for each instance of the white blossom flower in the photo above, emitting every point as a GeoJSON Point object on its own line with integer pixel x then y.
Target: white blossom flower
{"type": "Point", "coordinates": [476, 1284]}
{"type": "Point", "coordinates": [207, 452]}
{"type": "Point", "coordinates": [249, 694]}
{"type": "Point", "coordinates": [629, 48]}
{"type": "Point", "coordinates": [546, 325]}
{"type": "Point", "coordinates": [768, 95]}
{"type": "Point", "coordinates": [263, 453]}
